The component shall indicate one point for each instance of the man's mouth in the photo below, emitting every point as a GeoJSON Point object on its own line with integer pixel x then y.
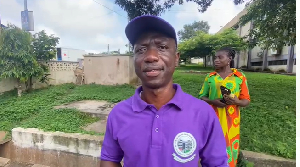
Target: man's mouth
{"type": "Point", "coordinates": [152, 72]}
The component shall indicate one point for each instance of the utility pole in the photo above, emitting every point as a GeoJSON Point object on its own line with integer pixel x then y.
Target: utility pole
{"type": "Point", "coordinates": [25, 5]}
{"type": "Point", "coordinates": [107, 48]}
{"type": "Point", "coordinates": [25, 17]}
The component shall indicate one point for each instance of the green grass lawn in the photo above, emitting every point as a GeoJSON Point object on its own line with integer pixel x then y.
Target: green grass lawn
{"type": "Point", "coordinates": [267, 125]}
{"type": "Point", "coordinates": [35, 109]}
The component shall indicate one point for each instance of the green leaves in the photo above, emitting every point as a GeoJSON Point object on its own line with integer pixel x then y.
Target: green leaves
{"type": "Point", "coordinates": [15, 53]}
{"type": "Point", "coordinates": [22, 54]}
{"type": "Point", "coordinates": [190, 30]}
{"type": "Point", "coordinates": [204, 44]}
{"type": "Point", "coordinates": [44, 46]}
{"type": "Point", "coordinates": [136, 8]}
{"type": "Point", "coordinates": [274, 23]}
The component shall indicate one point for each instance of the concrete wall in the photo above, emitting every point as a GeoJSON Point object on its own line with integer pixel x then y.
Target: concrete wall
{"type": "Point", "coordinates": [196, 60]}
{"type": "Point", "coordinates": [133, 79]}
{"type": "Point", "coordinates": [57, 149]}
{"type": "Point", "coordinates": [245, 29]}
{"type": "Point", "coordinates": [7, 84]}
{"type": "Point", "coordinates": [54, 149]}
{"type": "Point", "coordinates": [109, 69]}
{"type": "Point", "coordinates": [60, 73]}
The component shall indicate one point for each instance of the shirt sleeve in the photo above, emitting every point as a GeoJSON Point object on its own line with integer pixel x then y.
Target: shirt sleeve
{"type": "Point", "coordinates": [214, 151]}
{"type": "Point", "coordinates": [204, 92]}
{"type": "Point", "coordinates": [244, 93]}
{"type": "Point", "coordinates": [111, 150]}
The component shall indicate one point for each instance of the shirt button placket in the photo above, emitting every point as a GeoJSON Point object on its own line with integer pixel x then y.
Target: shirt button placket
{"type": "Point", "coordinates": [156, 132]}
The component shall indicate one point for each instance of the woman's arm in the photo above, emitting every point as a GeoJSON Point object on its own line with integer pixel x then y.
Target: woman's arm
{"type": "Point", "coordinates": [243, 103]}
{"type": "Point", "coordinates": [204, 91]}
{"type": "Point", "coordinates": [204, 95]}
{"type": "Point", "coordinates": [216, 102]}
{"type": "Point", "coordinates": [244, 94]}
{"type": "Point", "coordinates": [206, 99]}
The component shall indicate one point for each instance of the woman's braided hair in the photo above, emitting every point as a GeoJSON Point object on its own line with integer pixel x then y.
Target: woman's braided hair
{"type": "Point", "coordinates": [230, 53]}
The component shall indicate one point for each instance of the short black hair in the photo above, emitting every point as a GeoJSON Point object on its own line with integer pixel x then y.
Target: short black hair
{"type": "Point", "coordinates": [230, 53]}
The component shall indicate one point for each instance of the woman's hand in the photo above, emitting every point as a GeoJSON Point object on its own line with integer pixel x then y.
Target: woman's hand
{"type": "Point", "coordinates": [218, 103]}
{"type": "Point", "coordinates": [231, 100]}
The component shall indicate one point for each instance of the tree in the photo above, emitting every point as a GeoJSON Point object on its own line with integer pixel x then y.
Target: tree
{"type": "Point", "coordinates": [130, 49]}
{"type": "Point", "coordinates": [136, 8]}
{"type": "Point", "coordinates": [189, 30]}
{"type": "Point", "coordinates": [274, 23]}
{"type": "Point", "coordinates": [204, 44]}
{"type": "Point", "coordinates": [44, 46]}
{"type": "Point", "coordinates": [196, 46]}
{"type": "Point", "coordinates": [116, 52]}
{"type": "Point", "coordinates": [44, 49]}
{"type": "Point", "coordinates": [22, 55]}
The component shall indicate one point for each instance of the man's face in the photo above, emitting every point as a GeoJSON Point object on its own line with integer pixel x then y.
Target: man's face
{"type": "Point", "coordinates": [155, 58]}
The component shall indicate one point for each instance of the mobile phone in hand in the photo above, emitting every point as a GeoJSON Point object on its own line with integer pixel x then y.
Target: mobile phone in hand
{"type": "Point", "coordinates": [224, 91]}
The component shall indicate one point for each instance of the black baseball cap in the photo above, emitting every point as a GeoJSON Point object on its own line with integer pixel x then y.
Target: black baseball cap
{"type": "Point", "coordinates": [144, 23]}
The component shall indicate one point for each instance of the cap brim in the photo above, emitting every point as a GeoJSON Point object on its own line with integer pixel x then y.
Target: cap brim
{"type": "Point", "coordinates": [145, 23]}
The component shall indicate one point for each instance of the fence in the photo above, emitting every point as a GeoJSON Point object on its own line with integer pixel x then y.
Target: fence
{"type": "Point", "coordinates": [60, 73]}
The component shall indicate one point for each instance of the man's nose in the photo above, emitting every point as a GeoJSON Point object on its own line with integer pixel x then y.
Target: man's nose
{"type": "Point", "coordinates": [151, 55]}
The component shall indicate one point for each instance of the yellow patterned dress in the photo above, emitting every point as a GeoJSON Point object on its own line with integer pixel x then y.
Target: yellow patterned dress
{"type": "Point", "coordinates": [229, 116]}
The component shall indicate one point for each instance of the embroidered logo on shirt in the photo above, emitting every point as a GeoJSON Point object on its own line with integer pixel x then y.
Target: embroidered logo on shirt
{"type": "Point", "coordinates": [184, 146]}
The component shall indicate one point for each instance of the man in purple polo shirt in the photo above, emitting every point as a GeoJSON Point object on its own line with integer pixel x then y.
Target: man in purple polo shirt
{"type": "Point", "coordinates": [160, 125]}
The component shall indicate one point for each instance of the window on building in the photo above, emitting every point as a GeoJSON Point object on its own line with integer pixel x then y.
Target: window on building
{"type": "Point", "coordinates": [235, 27]}
{"type": "Point", "coordinates": [256, 63]}
{"type": "Point", "coordinates": [277, 62]}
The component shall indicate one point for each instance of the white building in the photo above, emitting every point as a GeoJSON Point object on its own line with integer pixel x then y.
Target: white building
{"type": "Point", "coordinates": [68, 54]}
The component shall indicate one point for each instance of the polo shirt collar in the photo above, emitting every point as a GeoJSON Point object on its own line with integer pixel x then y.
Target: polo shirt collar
{"type": "Point", "coordinates": [139, 105]}
{"type": "Point", "coordinates": [234, 72]}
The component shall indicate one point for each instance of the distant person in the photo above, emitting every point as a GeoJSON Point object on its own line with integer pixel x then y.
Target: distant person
{"type": "Point", "coordinates": [227, 106]}
{"type": "Point", "coordinates": [160, 125]}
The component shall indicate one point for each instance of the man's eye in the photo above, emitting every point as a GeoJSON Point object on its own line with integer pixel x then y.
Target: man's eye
{"type": "Point", "coordinates": [162, 47]}
{"type": "Point", "coordinates": [140, 50]}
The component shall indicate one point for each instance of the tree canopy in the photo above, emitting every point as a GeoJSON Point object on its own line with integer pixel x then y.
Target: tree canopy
{"type": "Point", "coordinates": [204, 44]}
{"type": "Point", "coordinates": [22, 54]}
{"type": "Point", "coordinates": [274, 23]}
{"type": "Point", "coordinates": [136, 8]}
{"type": "Point", "coordinates": [190, 30]}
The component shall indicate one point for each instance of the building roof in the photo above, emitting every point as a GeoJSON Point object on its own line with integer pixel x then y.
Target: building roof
{"type": "Point", "coordinates": [234, 21]}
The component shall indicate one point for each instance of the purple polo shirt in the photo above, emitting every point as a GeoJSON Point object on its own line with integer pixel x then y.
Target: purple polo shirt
{"type": "Point", "coordinates": [183, 131]}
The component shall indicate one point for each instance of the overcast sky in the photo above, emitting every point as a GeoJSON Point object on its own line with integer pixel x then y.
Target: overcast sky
{"type": "Point", "coordinates": [88, 25]}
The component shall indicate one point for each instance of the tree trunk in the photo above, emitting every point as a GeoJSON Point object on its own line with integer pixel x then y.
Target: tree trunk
{"type": "Point", "coordinates": [265, 60]}
{"type": "Point", "coordinates": [290, 62]}
{"type": "Point", "coordinates": [30, 84]}
{"type": "Point", "coordinates": [19, 88]}
{"type": "Point", "coordinates": [204, 63]}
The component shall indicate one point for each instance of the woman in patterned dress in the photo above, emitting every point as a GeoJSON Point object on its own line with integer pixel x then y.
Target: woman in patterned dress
{"type": "Point", "coordinates": [228, 112]}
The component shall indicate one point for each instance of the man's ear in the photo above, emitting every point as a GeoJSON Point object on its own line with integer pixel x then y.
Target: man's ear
{"type": "Point", "coordinates": [177, 58]}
